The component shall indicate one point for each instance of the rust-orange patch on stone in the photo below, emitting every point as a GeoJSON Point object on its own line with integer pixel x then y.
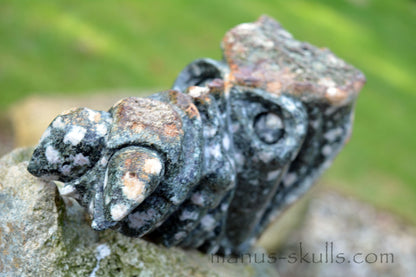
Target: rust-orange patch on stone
{"type": "Point", "coordinates": [144, 176]}
{"type": "Point", "coordinates": [97, 117]}
{"type": "Point", "coordinates": [184, 102]}
{"type": "Point", "coordinates": [216, 86]}
{"type": "Point", "coordinates": [137, 126]}
{"type": "Point", "coordinates": [171, 130]}
{"type": "Point", "coordinates": [263, 55]}
{"type": "Point", "coordinates": [133, 187]}
{"type": "Point", "coordinates": [274, 86]}
{"type": "Point", "coordinates": [192, 111]}
{"type": "Point", "coordinates": [128, 162]}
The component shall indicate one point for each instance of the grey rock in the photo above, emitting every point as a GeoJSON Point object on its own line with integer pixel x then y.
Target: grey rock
{"type": "Point", "coordinates": [370, 242]}
{"type": "Point", "coordinates": [44, 234]}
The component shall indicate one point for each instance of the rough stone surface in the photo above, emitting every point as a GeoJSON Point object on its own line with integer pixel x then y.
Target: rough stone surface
{"type": "Point", "coordinates": [209, 164]}
{"type": "Point", "coordinates": [352, 227]}
{"type": "Point", "coordinates": [44, 234]}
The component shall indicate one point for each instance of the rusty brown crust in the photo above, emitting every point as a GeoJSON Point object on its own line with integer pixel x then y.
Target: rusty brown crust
{"type": "Point", "coordinates": [264, 55]}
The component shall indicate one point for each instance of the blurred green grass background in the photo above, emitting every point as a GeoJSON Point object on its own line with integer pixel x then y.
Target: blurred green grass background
{"type": "Point", "coordinates": [73, 47]}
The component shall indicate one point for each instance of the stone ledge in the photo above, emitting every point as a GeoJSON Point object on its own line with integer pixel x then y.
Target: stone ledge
{"type": "Point", "coordinates": [43, 234]}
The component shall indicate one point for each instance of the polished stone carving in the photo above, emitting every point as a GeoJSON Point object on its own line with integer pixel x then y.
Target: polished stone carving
{"type": "Point", "coordinates": [210, 163]}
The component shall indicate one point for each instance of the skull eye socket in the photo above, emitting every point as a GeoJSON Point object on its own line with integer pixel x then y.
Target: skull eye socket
{"type": "Point", "coordinates": [269, 127]}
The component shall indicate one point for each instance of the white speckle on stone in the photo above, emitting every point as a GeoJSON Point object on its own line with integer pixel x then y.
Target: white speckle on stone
{"type": "Point", "coordinates": [224, 207]}
{"type": "Point", "coordinates": [52, 155]}
{"type": "Point", "coordinates": [290, 179]}
{"type": "Point", "coordinates": [290, 142]}
{"type": "Point", "coordinates": [105, 178]}
{"type": "Point", "coordinates": [91, 210]}
{"type": "Point", "coordinates": [102, 251]}
{"type": "Point", "coordinates": [81, 160]}
{"type": "Point", "coordinates": [152, 166]}
{"type": "Point", "coordinates": [139, 219]}
{"type": "Point", "coordinates": [272, 175]}
{"type": "Point", "coordinates": [103, 161]}
{"type": "Point", "coordinates": [273, 121]}
{"type": "Point", "coordinates": [197, 199]}
{"type": "Point", "coordinates": [332, 91]}
{"type": "Point", "coordinates": [266, 157]}
{"type": "Point", "coordinates": [330, 110]}
{"type": "Point", "coordinates": [333, 60]}
{"type": "Point", "coordinates": [267, 44]}
{"type": "Point", "coordinates": [217, 247]}
{"type": "Point", "coordinates": [101, 130]}
{"type": "Point", "coordinates": [226, 142]}
{"type": "Point", "coordinates": [187, 215]}
{"type": "Point", "coordinates": [333, 134]}
{"type": "Point", "coordinates": [291, 198]}
{"type": "Point", "coordinates": [133, 188]}
{"type": "Point", "coordinates": [300, 70]}
{"type": "Point", "coordinates": [196, 91]}
{"type": "Point", "coordinates": [215, 151]}
{"type": "Point", "coordinates": [208, 222]}
{"type": "Point", "coordinates": [318, 66]}
{"type": "Point", "coordinates": [94, 224]}
{"type": "Point", "coordinates": [268, 136]}
{"type": "Point", "coordinates": [75, 135]}
{"type": "Point", "coordinates": [326, 150]}
{"type": "Point", "coordinates": [91, 114]}
{"type": "Point", "coordinates": [327, 82]}
{"type": "Point", "coordinates": [67, 190]}
{"type": "Point", "coordinates": [209, 132]}
{"type": "Point", "coordinates": [239, 158]}
{"type": "Point", "coordinates": [247, 27]}
{"type": "Point", "coordinates": [107, 199]}
{"type": "Point", "coordinates": [175, 200]}
{"type": "Point", "coordinates": [58, 123]}
{"type": "Point", "coordinates": [179, 235]}
{"type": "Point", "coordinates": [300, 129]}
{"type": "Point", "coordinates": [118, 211]}
{"type": "Point", "coordinates": [288, 105]}
{"type": "Point", "coordinates": [230, 39]}
{"type": "Point", "coordinates": [293, 43]}
{"type": "Point", "coordinates": [65, 170]}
